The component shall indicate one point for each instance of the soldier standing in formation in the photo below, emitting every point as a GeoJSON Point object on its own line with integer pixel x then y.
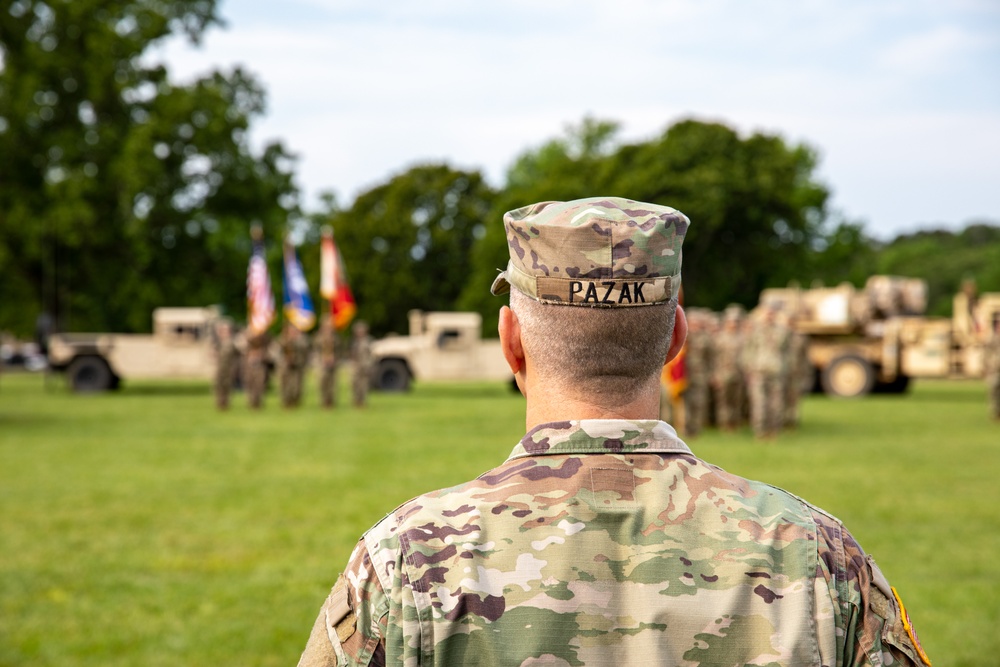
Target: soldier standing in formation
{"type": "Point", "coordinates": [766, 363]}
{"type": "Point", "coordinates": [326, 344]}
{"type": "Point", "coordinates": [294, 358]}
{"type": "Point", "coordinates": [698, 357]}
{"type": "Point", "coordinates": [603, 539]}
{"type": "Point", "coordinates": [255, 372]}
{"type": "Point", "coordinates": [361, 357]}
{"type": "Point", "coordinates": [992, 363]}
{"type": "Point", "coordinates": [798, 376]}
{"type": "Point", "coordinates": [227, 358]}
{"type": "Point", "coordinates": [727, 374]}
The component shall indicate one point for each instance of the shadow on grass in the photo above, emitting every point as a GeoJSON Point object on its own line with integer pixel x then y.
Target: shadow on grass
{"type": "Point", "coordinates": [171, 389]}
{"type": "Point", "coordinates": [443, 390]}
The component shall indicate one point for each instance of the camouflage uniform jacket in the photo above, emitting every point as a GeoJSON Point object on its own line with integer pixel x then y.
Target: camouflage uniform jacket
{"type": "Point", "coordinates": [767, 349]}
{"type": "Point", "coordinates": [608, 543]}
{"type": "Point", "coordinates": [726, 364]}
{"type": "Point", "coordinates": [991, 358]}
{"type": "Point", "coordinates": [699, 357]}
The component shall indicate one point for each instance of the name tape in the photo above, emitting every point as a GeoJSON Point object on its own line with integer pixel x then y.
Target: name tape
{"type": "Point", "coordinates": [607, 293]}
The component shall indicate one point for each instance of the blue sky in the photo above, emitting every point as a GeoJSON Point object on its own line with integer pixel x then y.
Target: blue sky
{"type": "Point", "coordinates": [901, 98]}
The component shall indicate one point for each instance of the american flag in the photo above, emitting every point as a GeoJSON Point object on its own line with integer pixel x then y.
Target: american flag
{"type": "Point", "coordinates": [260, 299]}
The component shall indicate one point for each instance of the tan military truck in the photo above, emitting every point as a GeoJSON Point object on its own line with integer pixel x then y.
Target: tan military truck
{"type": "Point", "coordinates": [180, 347]}
{"type": "Point", "coordinates": [440, 346]}
{"type": "Point", "coordinates": [878, 338]}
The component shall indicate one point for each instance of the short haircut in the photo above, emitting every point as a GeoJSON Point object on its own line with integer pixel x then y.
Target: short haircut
{"type": "Point", "coordinates": [600, 352]}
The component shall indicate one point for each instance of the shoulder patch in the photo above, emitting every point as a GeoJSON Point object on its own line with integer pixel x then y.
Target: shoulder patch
{"type": "Point", "coordinates": [908, 626]}
{"type": "Point", "coordinates": [339, 617]}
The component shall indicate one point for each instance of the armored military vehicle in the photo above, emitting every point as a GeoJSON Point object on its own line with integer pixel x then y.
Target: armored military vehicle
{"type": "Point", "coordinates": [180, 347]}
{"type": "Point", "coordinates": [440, 346]}
{"type": "Point", "coordinates": [879, 337]}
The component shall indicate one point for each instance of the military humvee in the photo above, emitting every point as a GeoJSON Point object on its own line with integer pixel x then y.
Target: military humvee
{"type": "Point", "coordinates": [441, 346]}
{"type": "Point", "coordinates": [878, 338]}
{"type": "Point", "coordinates": [180, 347]}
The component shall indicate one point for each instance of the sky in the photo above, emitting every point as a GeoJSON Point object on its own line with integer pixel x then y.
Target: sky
{"type": "Point", "coordinates": [900, 98]}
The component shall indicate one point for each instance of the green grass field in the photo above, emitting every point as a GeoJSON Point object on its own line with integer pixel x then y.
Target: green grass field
{"type": "Point", "coordinates": [145, 528]}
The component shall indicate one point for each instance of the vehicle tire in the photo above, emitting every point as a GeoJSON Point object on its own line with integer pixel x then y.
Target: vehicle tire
{"type": "Point", "coordinates": [392, 375]}
{"type": "Point", "coordinates": [849, 376]}
{"type": "Point", "coordinates": [90, 374]}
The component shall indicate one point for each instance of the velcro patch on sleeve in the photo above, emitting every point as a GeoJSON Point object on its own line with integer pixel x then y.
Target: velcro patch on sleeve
{"type": "Point", "coordinates": [340, 619]}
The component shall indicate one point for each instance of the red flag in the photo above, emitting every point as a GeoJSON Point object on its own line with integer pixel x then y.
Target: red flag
{"type": "Point", "coordinates": [333, 283]}
{"type": "Point", "coordinates": [674, 375]}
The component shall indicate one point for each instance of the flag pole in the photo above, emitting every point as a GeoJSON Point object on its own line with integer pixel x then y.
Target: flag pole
{"type": "Point", "coordinates": [326, 232]}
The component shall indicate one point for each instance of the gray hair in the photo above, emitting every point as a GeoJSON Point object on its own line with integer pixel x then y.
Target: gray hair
{"type": "Point", "coordinates": [608, 354]}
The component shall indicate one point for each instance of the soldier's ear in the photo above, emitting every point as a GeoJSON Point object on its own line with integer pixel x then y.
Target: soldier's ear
{"type": "Point", "coordinates": [680, 334]}
{"type": "Point", "coordinates": [510, 340]}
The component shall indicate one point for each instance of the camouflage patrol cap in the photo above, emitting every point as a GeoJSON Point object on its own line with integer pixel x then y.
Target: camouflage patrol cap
{"type": "Point", "coordinates": [597, 252]}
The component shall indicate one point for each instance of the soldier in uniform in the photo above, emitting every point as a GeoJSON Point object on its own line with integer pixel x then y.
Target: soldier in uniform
{"type": "Point", "coordinates": [326, 343]}
{"type": "Point", "coordinates": [699, 368]}
{"type": "Point", "coordinates": [799, 374]}
{"type": "Point", "coordinates": [226, 361]}
{"type": "Point", "coordinates": [727, 375]}
{"type": "Point", "coordinates": [256, 367]}
{"type": "Point", "coordinates": [294, 357]}
{"type": "Point", "coordinates": [993, 371]}
{"type": "Point", "coordinates": [361, 357]}
{"type": "Point", "coordinates": [766, 355]}
{"type": "Point", "coordinates": [602, 539]}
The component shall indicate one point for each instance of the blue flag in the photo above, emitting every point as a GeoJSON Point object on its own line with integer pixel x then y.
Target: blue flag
{"type": "Point", "coordinates": [298, 305]}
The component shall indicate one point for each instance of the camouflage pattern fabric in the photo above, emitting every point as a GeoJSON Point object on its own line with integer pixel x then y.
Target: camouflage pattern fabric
{"type": "Point", "coordinates": [256, 368]}
{"type": "Point", "coordinates": [599, 252]}
{"type": "Point", "coordinates": [227, 360]}
{"type": "Point", "coordinates": [294, 358]}
{"type": "Point", "coordinates": [799, 374]}
{"type": "Point", "coordinates": [607, 542]}
{"type": "Point", "coordinates": [326, 343]}
{"type": "Point", "coordinates": [361, 356]}
{"type": "Point", "coordinates": [992, 367]}
{"type": "Point", "coordinates": [698, 358]}
{"type": "Point", "coordinates": [727, 377]}
{"type": "Point", "coordinates": [766, 355]}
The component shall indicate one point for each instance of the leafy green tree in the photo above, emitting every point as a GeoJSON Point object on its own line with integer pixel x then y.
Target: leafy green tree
{"type": "Point", "coordinates": [843, 253]}
{"type": "Point", "coordinates": [755, 206]}
{"type": "Point", "coordinates": [119, 190]}
{"type": "Point", "coordinates": [946, 260]}
{"type": "Point", "coordinates": [407, 243]}
{"type": "Point", "coordinates": [562, 169]}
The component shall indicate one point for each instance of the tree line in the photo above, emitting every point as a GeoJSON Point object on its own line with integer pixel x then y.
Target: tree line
{"type": "Point", "coordinates": [121, 191]}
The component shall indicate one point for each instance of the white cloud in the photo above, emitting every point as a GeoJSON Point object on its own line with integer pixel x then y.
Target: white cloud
{"type": "Point", "coordinates": [893, 92]}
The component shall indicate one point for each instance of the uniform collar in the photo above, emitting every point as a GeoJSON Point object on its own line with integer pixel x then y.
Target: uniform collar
{"type": "Point", "coordinates": [600, 436]}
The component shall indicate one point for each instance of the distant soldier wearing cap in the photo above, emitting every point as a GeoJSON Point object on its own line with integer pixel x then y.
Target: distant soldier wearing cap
{"type": "Point", "coordinates": [361, 358]}
{"type": "Point", "coordinates": [698, 362]}
{"type": "Point", "coordinates": [993, 371]}
{"type": "Point", "coordinates": [255, 373]}
{"type": "Point", "coordinates": [294, 359]}
{"type": "Point", "coordinates": [766, 357]}
{"type": "Point", "coordinates": [800, 374]}
{"type": "Point", "coordinates": [227, 358]}
{"type": "Point", "coordinates": [602, 540]}
{"type": "Point", "coordinates": [326, 345]}
{"type": "Point", "coordinates": [727, 373]}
